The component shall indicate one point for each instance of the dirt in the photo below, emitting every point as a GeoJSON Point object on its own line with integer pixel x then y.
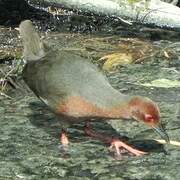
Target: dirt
{"type": "Point", "coordinates": [29, 133]}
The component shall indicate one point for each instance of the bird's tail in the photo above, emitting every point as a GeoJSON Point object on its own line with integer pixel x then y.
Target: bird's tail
{"type": "Point", "coordinates": [33, 46]}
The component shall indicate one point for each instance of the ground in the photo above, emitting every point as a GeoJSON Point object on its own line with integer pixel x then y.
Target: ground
{"type": "Point", "coordinates": [29, 132]}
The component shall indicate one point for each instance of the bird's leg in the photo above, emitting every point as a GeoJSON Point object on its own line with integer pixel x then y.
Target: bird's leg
{"type": "Point", "coordinates": [115, 143]}
{"type": "Point", "coordinates": [89, 132]}
{"type": "Point", "coordinates": [64, 139]}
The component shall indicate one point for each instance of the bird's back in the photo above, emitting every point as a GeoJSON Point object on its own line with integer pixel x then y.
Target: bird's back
{"type": "Point", "coordinates": [62, 74]}
{"type": "Point", "coordinates": [64, 80]}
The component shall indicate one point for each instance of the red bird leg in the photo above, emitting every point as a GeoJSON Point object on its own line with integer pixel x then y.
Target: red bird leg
{"type": "Point", "coordinates": [64, 139]}
{"type": "Point", "coordinates": [89, 132]}
{"type": "Point", "coordinates": [115, 143]}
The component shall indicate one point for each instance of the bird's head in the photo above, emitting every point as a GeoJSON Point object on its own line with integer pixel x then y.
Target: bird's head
{"type": "Point", "coordinates": [146, 111]}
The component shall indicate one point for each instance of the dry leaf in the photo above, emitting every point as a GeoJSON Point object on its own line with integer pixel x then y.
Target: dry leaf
{"type": "Point", "coordinates": [115, 59]}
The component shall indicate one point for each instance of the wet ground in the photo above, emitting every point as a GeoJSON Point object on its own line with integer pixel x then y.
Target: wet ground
{"type": "Point", "coordinates": [29, 132]}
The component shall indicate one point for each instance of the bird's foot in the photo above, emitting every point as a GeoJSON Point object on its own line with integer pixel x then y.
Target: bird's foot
{"type": "Point", "coordinates": [118, 145]}
{"type": "Point", "coordinates": [64, 141]}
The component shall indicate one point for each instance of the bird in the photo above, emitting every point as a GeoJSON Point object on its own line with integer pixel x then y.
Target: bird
{"type": "Point", "coordinates": [76, 90]}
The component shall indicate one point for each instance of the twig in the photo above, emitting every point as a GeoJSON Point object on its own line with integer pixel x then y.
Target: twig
{"type": "Point", "coordinates": [176, 143]}
{"type": "Point", "coordinates": [5, 95]}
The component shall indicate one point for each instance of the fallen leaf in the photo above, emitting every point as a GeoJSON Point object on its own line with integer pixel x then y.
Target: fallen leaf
{"type": "Point", "coordinates": [165, 83]}
{"type": "Point", "coordinates": [115, 59]}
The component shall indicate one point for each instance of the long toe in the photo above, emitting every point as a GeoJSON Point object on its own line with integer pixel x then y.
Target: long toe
{"type": "Point", "coordinates": [117, 144]}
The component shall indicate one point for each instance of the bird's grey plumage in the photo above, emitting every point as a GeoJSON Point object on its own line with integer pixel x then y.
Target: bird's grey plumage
{"type": "Point", "coordinates": [34, 48]}
{"type": "Point", "coordinates": [54, 75]}
{"type": "Point", "coordinates": [71, 75]}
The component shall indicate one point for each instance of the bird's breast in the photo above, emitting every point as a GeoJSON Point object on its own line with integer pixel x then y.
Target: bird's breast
{"type": "Point", "coordinates": [78, 107]}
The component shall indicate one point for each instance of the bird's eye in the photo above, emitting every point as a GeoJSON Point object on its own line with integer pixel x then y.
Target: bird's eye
{"type": "Point", "coordinates": [149, 118]}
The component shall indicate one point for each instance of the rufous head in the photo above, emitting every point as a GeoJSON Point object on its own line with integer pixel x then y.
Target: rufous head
{"type": "Point", "coordinates": [146, 111]}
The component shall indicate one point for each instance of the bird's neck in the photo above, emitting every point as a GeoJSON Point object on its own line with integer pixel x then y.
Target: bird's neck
{"type": "Point", "coordinates": [119, 111]}
{"type": "Point", "coordinates": [78, 107]}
